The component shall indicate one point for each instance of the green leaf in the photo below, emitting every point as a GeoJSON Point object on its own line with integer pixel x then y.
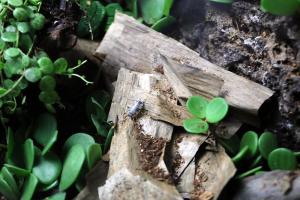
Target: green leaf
{"type": "Point", "coordinates": [17, 170]}
{"type": "Point", "coordinates": [83, 139]}
{"type": "Point", "coordinates": [46, 65]}
{"type": "Point", "coordinates": [163, 24]}
{"type": "Point", "coordinates": [60, 65]}
{"type": "Point", "coordinates": [94, 153]}
{"type": "Point", "coordinates": [38, 21]}
{"type": "Point", "coordinates": [25, 42]}
{"type": "Point", "coordinates": [153, 10]}
{"type": "Point", "coordinates": [47, 83]}
{"type": "Point", "coordinates": [46, 188]}
{"type": "Point", "coordinates": [57, 196]}
{"type": "Point", "coordinates": [2, 90]}
{"type": "Point", "coordinates": [168, 6]}
{"type": "Point", "coordinates": [10, 180]}
{"type": "Point", "coordinates": [35, 2]}
{"type": "Point", "coordinates": [12, 52]}
{"type": "Point", "coordinates": [9, 36]}
{"type": "Point", "coordinates": [45, 128]}
{"type": "Point", "coordinates": [15, 3]}
{"type": "Point", "coordinates": [108, 139]}
{"type": "Point", "coordinates": [47, 168]}
{"type": "Point", "coordinates": [28, 154]}
{"type": "Point", "coordinates": [99, 125]}
{"type": "Point", "coordinates": [267, 143]}
{"type": "Point", "coordinates": [20, 14]}
{"type": "Point", "coordinates": [195, 126]}
{"type": "Point", "coordinates": [196, 105]}
{"type": "Point", "coordinates": [223, 1]}
{"type": "Point", "coordinates": [216, 110]}
{"type": "Point", "coordinates": [25, 61]}
{"type": "Point", "coordinates": [2, 45]}
{"type": "Point", "coordinates": [132, 5]}
{"type": "Point", "coordinates": [280, 7]}
{"type": "Point", "coordinates": [29, 187]}
{"type": "Point", "coordinates": [112, 8]}
{"type": "Point", "coordinates": [6, 190]}
{"type": "Point", "coordinates": [49, 97]}
{"type": "Point", "coordinates": [23, 27]}
{"type": "Point", "coordinates": [33, 74]}
{"type": "Point", "coordinates": [50, 143]}
{"type": "Point", "coordinates": [282, 159]}
{"type": "Point", "coordinates": [250, 139]}
{"type": "Point", "coordinates": [72, 167]}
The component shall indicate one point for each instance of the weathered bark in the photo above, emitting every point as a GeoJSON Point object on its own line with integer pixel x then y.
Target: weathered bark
{"type": "Point", "coordinates": [132, 45]}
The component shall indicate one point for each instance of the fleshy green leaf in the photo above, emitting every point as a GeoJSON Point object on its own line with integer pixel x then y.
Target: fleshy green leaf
{"type": "Point", "coordinates": [195, 126]}
{"type": "Point", "coordinates": [47, 83]}
{"type": "Point", "coordinates": [47, 168]}
{"type": "Point", "coordinates": [9, 36]}
{"type": "Point", "coordinates": [196, 105]}
{"type": "Point", "coordinates": [6, 190]}
{"type": "Point", "coordinates": [72, 167]}
{"type": "Point", "coordinates": [33, 74]}
{"type": "Point", "coordinates": [280, 7]}
{"type": "Point", "coordinates": [83, 139]}
{"type": "Point", "coordinates": [38, 21]}
{"type": "Point", "coordinates": [17, 170]}
{"type": "Point", "coordinates": [46, 188]}
{"type": "Point", "coordinates": [12, 52]}
{"type": "Point", "coordinates": [28, 154]}
{"type": "Point", "coordinates": [50, 143]}
{"type": "Point", "coordinates": [267, 143]}
{"type": "Point", "coordinates": [15, 3]}
{"type": "Point", "coordinates": [60, 65]}
{"type": "Point", "coordinates": [46, 65]}
{"type": "Point", "coordinates": [49, 97]}
{"type": "Point", "coordinates": [10, 180]}
{"type": "Point", "coordinates": [153, 10]}
{"type": "Point", "coordinates": [282, 159]}
{"type": "Point", "coordinates": [250, 139]}
{"type": "Point", "coordinates": [23, 27]}
{"type": "Point", "coordinates": [94, 153]}
{"type": "Point", "coordinates": [20, 14]}
{"type": "Point", "coordinates": [29, 187]}
{"type": "Point", "coordinates": [163, 24]}
{"type": "Point", "coordinates": [108, 139]}
{"type": "Point", "coordinates": [216, 110]}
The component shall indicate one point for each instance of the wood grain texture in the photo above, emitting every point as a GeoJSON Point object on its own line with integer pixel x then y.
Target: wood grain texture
{"type": "Point", "coordinates": [134, 46]}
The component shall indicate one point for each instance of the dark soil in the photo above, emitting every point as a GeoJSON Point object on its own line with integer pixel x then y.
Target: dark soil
{"type": "Point", "coordinates": [262, 47]}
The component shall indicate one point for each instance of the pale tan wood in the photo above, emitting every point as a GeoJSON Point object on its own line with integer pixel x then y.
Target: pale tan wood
{"type": "Point", "coordinates": [132, 45]}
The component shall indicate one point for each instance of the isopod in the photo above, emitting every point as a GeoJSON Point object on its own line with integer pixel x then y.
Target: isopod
{"type": "Point", "coordinates": [136, 109]}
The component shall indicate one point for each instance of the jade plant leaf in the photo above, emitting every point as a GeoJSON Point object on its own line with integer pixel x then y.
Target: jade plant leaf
{"type": "Point", "coordinates": [10, 180]}
{"type": "Point", "coordinates": [45, 128]}
{"type": "Point", "coordinates": [57, 196]}
{"type": "Point", "coordinates": [6, 190]}
{"type": "Point", "coordinates": [267, 142]}
{"type": "Point", "coordinates": [83, 139]}
{"type": "Point", "coordinates": [168, 6]}
{"type": "Point", "coordinates": [94, 153]}
{"type": "Point", "coordinates": [108, 139]}
{"type": "Point", "coordinates": [17, 170]}
{"type": "Point", "coordinates": [196, 105]}
{"type": "Point", "coordinates": [280, 7]}
{"type": "Point", "coordinates": [163, 24]}
{"type": "Point", "coordinates": [153, 10]}
{"type": "Point", "coordinates": [250, 139]}
{"type": "Point", "coordinates": [72, 167]}
{"type": "Point", "coordinates": [47, 168]}
{"type": "Point", "coordinates": [29, 187]}
{"type": "Point", "coordinates": [28, 154]}
{"type": "Point", "coordinates": [50, 143]}
{"type": "Point", "coordinates": [195, 126]}
{"type": "Point", "coordinates": [216, 110]}
{"type": "Point", "coordinates": [282, 159]}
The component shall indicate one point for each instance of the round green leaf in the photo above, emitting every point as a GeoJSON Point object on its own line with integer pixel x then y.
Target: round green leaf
{"type": "Point", "coordinates": [83, 139]}
{"type": "Point", "coordinates": [29, 187]}
{"type": "Point", "coordinates": [47, 168]}
{"type": "Point", "coordinates": [250, 140]}
{"type": "Point", "coordinates": [28, 154]}
{"type": "Point", "coordinates": [282, 159]}
{"type": "Point", "coordinates": [9, 178]}
{"type": "Point", "coordinates": [50, 143]}
{"type": "Point", "coordinates": [12, 52]}
{"type": "Point", "coordinates": [164, 23]}
{"type": "Point", "coordinates": [25, 61]}
{"type": "Point", "coordinates": [35, 2]}
{"type": "Point", "coordinates": [49, 97]}
{"type": "Point", "coordinates": [45, 128]}
{"type": "Point", "coordinates": [94, 154]}
{"type": "Point", "coordinates": [33, 74]}
{"type": "Point", "coordinates": [23, 27]}
{"type": "Point", "coordinates": [267, 143]}
{"type": "Point", "coordinates": [280, 7]}
{"type": "Point", "coordinates": [20, 14]}
{"type": "Point", "coordinates": [6, 190]}
{"type": "Point", "coordinates": [9, 36]}
{"type": "Point", "coordinates": [196, 105]}
{"type": "Point", "coordinates": [153, 10]}
{"type": "Point", "coordinates": [216, 110]}
{"type": "Point", "coordinates": [15, 3]}
{"type": "Point", "coordinates": [72, 167]}
{"type": "Point", "coordinates": [195, 126]}
{"type": "Point", "coordinates": [17, 170]}
{"type": "Point", "coordinates": [47, 83]}
{"type": "Point", "coordinates": [38, 21]}
{"type": "Point", "coordinates": [46, 65]}
{"type": "Point", "coordinates": [57, 196]}
{"type": "Point", "coordinates": [60, 65]}
{"type": "Point", "coordinates": [111, 9]}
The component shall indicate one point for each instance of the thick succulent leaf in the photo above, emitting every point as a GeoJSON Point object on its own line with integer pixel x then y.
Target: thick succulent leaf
{"type": "Point", "coordinates": [195, 126]}
{"type": "Point", "coordinates": [45, 128]}
{"type": "Point", "coordinates": [28, 154]}
{"type": "Point", "coordinates": [94, 153]}
{"type": "Point", "coordinates": [216, 110]}
{"type": "Point", "coordinates": [196, 105]}
{"type": "Point", "coordinates": [267, 142]}
{"type": "Point", "coordinates": [280, 7]}
{"type": "Point", "coordinates": [250, 139]}
{"type": "Point", "coordinates": [83, 139]}
{"type": "Point", "coordinates": [282, 159]}
{"type": "Point", "coordinates": [29, 187]}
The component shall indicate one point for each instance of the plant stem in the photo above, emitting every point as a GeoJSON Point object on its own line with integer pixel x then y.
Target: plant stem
{"type": "Point", "coordinates": [256, 161]}
{"type": "Point", "coordinates": [79, 65]}
{"type": "Point", "coordinates": [13, 87]}
{"type": "Point", "coordinates": [240, 155]}
{"type": "Point", "coordinates": [81, 77]}
{"type": "Point", "coordinates": [248, 173]}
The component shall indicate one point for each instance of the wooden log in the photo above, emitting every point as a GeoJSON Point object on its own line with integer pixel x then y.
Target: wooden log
{"type": "Point", "coordinates": [132, 45]}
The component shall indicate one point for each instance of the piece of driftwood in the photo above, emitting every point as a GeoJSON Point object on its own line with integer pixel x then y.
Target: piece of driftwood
{"type": "Point", "coordinates": [132, 45]}
{"type": "Point", "coordinates": [213, 171]}
{"type": "Point", "coordinates": [185, 184]}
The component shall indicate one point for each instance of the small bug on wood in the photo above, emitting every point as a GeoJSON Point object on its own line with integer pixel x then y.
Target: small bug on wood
{"type": "Point", "coordinates": [136, 109]}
